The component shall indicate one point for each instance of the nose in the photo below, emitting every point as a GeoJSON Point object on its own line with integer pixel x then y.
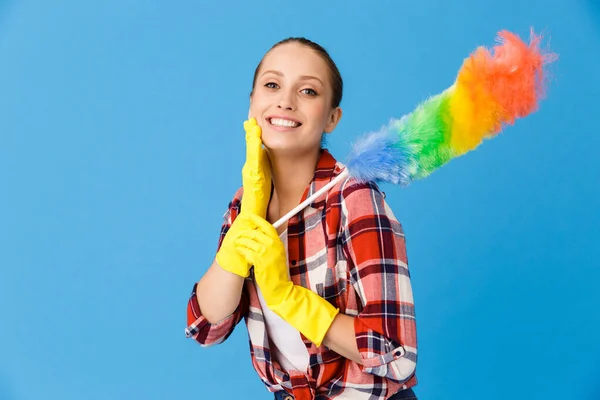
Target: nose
{"type": "Point", "coordinates": [287, 100]}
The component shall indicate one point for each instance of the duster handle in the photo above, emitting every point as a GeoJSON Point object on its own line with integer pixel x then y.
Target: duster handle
{"type": "Point", "coordinates": [306, 202]}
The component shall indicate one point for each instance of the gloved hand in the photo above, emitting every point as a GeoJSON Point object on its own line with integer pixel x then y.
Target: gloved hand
{"type": "Point", "coordinates": [300, 307]}
{"type": "Point", "coordinates": [227, 256]}
{"type": "Point", "coordinates": [256, 179]}
{"type": "Point", "coordinates": [256, 173]}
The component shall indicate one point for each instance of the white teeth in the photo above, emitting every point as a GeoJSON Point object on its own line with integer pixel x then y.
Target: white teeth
{"type": "Point", "coordinates": [283, 123]}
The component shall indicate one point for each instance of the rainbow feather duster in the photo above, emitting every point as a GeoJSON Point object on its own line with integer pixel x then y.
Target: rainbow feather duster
{"type": "Point", "coordinates": [492, 90]}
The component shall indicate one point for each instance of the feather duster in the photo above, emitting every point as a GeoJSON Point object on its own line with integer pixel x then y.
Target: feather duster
{"type": "Point", "coordinates": [492, 90]}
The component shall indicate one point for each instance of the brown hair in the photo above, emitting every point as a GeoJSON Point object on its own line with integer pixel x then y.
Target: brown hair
{"type": "Point", "coordinates": [337, 85]}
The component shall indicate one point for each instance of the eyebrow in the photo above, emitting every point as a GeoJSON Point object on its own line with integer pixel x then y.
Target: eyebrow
{"type": "Point", "coordinates": [302, 78]}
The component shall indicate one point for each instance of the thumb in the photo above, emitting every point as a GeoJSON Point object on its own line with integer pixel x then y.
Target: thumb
{"type": "Point", "coordinates": [252, 129]}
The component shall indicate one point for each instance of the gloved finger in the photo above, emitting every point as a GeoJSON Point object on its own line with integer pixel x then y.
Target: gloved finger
{"type": "Point", "coordinates": [253, 142]}
{"type": "Point", "coordinates": [255, 236]}
{"type": "Point", "coordinates": [253, 131]}
{"type": "Point", "coordinates": [251, 127]}
{"type": "Point", "coordinates": [244, 221]}
{"type": "Point", "coordinates": [249, 249]}
{"type": "Point", "coordinates": [249, 244]}
{"type": "Point", "coordinates": [248, 254]}
{"type": "Point", "coordinates": [263, 225]}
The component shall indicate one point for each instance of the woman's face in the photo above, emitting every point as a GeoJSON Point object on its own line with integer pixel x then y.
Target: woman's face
{"type": "Point", "coordinates": [291, 100]}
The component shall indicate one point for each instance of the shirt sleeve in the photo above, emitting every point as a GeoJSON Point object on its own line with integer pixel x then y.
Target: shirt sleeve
{"type": "Point", "coordinates": [198, 327]}
{"type": "Point", "coordinates": [208, 334]}
{"type": "Point", "coordinates": [374, 243]}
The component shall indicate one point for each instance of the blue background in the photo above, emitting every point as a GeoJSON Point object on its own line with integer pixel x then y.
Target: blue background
{"type": "Point", "coordinates": [121, 143]}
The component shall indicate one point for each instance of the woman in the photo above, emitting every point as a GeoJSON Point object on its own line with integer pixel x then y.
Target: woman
{"type": "Point", "coordinates": [327, 297]}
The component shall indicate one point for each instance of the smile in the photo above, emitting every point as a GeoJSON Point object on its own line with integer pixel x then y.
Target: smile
{"type": "Point", "coordinates": [283, 123]}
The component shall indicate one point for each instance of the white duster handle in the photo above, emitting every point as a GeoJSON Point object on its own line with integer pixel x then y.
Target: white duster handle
{"type": "Point", "coordinates": [306, 202]}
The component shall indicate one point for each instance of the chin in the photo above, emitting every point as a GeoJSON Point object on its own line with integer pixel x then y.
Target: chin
{"type": "Point", "coordinates": [286, 143]}
{"type": "Point", "coordinates": [278, 146]}
{"type": "Point", "coordinates": [290, 151]}
{"type": "Point", "coordinates": [275, 140]}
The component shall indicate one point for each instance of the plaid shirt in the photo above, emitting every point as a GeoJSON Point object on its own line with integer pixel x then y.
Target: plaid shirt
{"type": "Point", "coordinates": [348, 247]}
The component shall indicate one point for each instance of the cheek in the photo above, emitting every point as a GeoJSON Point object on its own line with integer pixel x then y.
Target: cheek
{"type": "Point", "coordinates": [319, 112]}
{"type": "Point", "coordinates": [256, 107]}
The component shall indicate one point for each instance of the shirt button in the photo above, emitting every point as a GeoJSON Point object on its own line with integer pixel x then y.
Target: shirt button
{"type": "Point", "coordinates": [293, 262]}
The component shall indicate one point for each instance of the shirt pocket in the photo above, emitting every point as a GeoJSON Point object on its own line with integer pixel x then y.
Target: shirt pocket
{"type": "Point", "coordinates": [333, 280]}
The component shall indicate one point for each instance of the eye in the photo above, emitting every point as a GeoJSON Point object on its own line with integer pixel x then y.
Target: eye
{"type": "Point", "coordinates": [271, 85]}
{"type": "Point", "coordinates": [309, 92]}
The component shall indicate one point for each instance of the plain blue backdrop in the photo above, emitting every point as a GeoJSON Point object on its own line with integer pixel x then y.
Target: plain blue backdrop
{"type": "Point", "coordinates": [121, 143]}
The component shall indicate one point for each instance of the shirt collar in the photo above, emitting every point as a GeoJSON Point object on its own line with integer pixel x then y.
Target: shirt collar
{"type": "Point", "coordinates": [327, 169]}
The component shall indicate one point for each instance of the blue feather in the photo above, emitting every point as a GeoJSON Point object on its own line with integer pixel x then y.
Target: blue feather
{"type": "Point", "coordinates": [381, 156]}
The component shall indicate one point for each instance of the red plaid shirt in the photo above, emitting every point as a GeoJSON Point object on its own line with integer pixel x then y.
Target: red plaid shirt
{"type": "Point", "coordinates": [348, 247]}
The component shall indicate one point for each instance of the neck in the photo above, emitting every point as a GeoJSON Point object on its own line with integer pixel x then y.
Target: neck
{"type": "Point", "coordinates": [291, 176]}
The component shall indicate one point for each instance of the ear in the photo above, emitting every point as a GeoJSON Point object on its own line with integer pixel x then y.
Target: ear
{"type": "Point", "coordinates": [334, 119]}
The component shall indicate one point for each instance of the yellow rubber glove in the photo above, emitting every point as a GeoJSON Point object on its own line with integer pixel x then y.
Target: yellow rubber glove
{"type": "Point", "coordinates": [227, 256]}
{"type": "Point", "coordinates": [256, 173]}
{"type": "Point", "coordinates": [256, 179]}
{"type": "Point", "coordinates": [305, 310]}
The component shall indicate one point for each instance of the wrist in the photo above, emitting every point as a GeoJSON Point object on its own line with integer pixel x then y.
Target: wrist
{"type": "Point", "coordinates": [308, 312]}
{"type": "Point", "coordinates": [235, 265]}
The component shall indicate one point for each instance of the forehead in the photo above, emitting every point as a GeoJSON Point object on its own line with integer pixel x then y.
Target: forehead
{"type": "Point", "coordinates": [295, 59]}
